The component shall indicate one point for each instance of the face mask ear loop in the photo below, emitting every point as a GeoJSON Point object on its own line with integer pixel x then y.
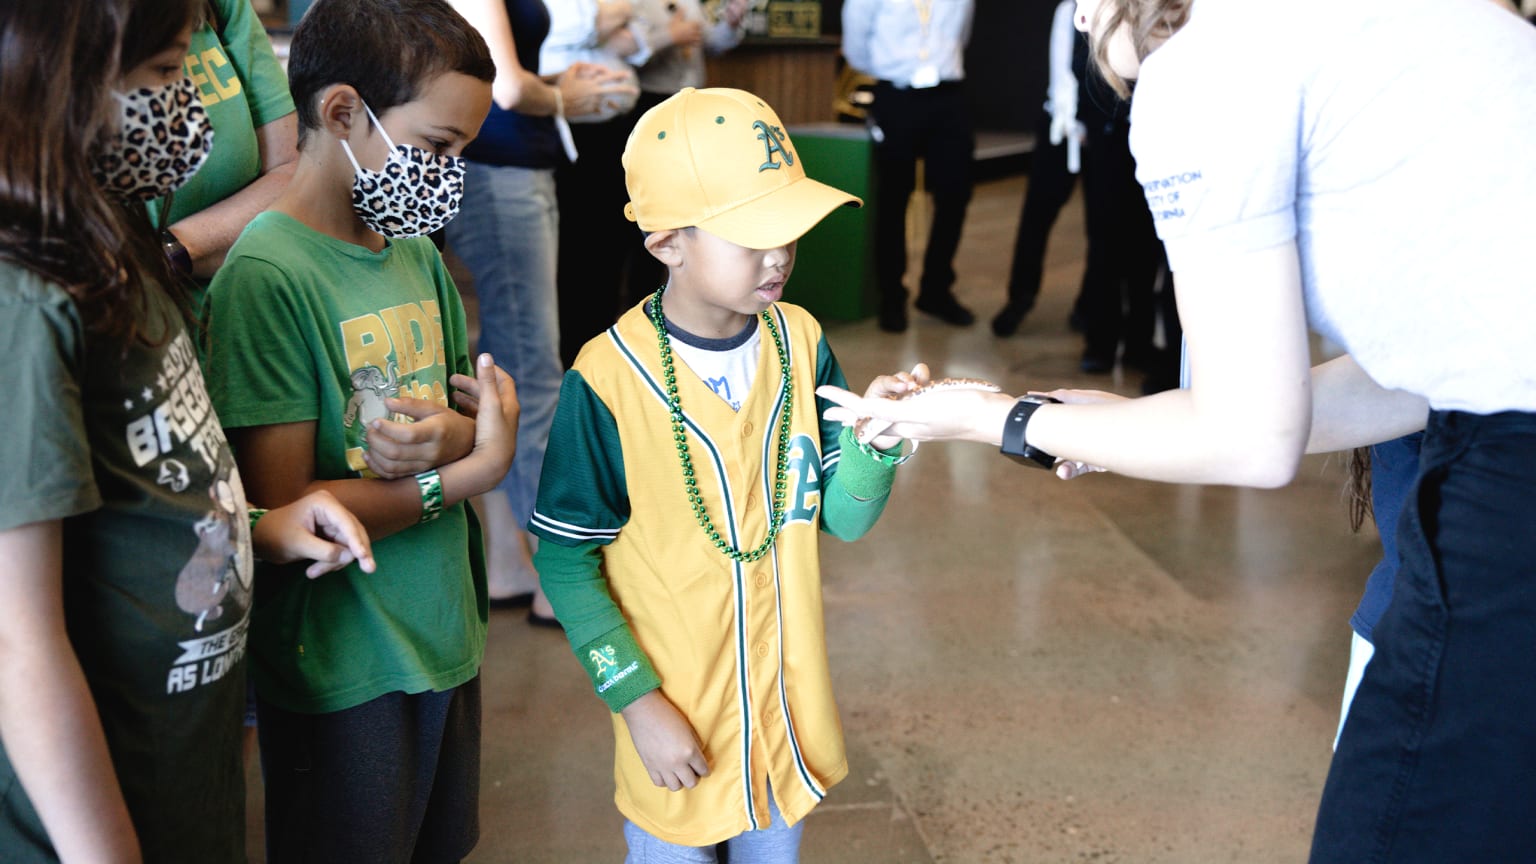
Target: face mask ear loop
{"type": "Point", "coordinates": [376, 122]}
{"type": "Point", "coordinates": [348, 149]}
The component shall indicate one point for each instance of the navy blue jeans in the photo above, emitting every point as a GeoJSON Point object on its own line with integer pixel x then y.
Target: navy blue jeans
{"type": "Point", "coordinates": [1437, 762]}
{"type": "Point", "coordinates": [507, 235]}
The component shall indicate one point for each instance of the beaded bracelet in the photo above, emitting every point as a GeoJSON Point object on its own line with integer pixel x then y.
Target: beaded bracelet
{"type": "Point", "coordinates": [431, 486]}
{"type": "Point", "coordinates": [255, 513]}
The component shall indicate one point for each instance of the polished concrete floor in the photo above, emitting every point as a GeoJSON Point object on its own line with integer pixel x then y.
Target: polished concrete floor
{"type": "Point", "coordinates": [1028, 670]}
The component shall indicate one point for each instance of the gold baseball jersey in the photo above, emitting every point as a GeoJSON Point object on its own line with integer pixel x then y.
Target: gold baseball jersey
{"type": "Point", "coordinates": [646, 598]}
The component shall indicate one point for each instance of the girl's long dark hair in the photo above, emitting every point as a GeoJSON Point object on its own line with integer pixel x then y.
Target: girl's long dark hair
{"type": "Point", "coordinates": [1358, 489]}
{"type": "Point", "coordinates": [59, 63]}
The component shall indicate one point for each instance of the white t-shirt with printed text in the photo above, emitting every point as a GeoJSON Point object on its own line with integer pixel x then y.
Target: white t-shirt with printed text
{"type": "Point", "coordinates": [1393, 143]}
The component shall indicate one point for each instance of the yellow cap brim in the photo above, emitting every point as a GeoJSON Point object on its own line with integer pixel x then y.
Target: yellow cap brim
{"type": "Point", "coordinates": [779, 217]}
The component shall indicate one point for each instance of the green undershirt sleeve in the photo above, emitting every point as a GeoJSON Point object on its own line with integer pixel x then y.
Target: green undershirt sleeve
{"type": "Point", "coordinates": [855, 491]}
{"type": "Point", "coordinates": [573, 581]}
{"type": "Point", "coordinates": [855, 485]}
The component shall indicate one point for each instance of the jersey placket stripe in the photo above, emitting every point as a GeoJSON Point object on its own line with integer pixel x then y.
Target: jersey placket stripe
{"type": "Point", "coordinates": [789, 726]}
{"type": "Point", "coordinates": [743, 682]}
{"type": "Point", "coordinates": [718, 459]}
{"type": "Point", "coordinates": [769, 462]}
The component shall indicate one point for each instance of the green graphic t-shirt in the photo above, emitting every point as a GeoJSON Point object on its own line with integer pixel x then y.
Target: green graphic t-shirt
{"type": "Point", "coordinates": [122, 444]}
{"type": "Point", "coordinates": [305, 327]}
{"type": "Point", "coordinates": [243, 88]}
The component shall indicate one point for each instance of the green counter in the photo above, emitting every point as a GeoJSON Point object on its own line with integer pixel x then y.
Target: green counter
{"type": "Point", "coordinates": [834, 274]}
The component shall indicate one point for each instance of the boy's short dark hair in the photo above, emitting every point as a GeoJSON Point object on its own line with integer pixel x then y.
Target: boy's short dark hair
{"type": "Point", "coordinates": [386, 49]}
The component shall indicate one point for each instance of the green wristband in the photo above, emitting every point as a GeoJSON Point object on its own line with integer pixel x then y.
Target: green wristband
{"type": "Point", "coordinates": [431, 486]}
{"type": "Point", "coordinates": [620, 671]}
{"type": "Point", "coordinates": [255, 513]}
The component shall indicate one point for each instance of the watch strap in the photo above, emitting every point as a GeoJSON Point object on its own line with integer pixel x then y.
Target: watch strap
{"type": "Point", "coordinates": [1014, 445]}
{"type": "Point", "coordinates": [176, 253]}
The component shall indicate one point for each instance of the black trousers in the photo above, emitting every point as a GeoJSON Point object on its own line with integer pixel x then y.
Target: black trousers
{"type": "Point", "coordinates": [594, 235]}
{"type": "Point", "coordinates": [935, 125]}
{"type": "Point", "coordinates": [1438, 753]}
{"type": "Point", "coordinates": [395, 780]}
{"type": "Point", "coordinates": [1117, 303]}
{"type": "Point", "coordinates": [1050, 185]}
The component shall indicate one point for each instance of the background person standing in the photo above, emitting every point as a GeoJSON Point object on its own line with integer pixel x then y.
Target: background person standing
{"type": "Point", "coordinates": [509, 240]}
{"type": "Point", "coordinates": [916, 51]}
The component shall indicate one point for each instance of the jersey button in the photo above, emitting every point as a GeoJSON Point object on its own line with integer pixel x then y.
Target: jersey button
{"type": "Point", "coordinates": [762, 580]}
{"type": "Point", "coordinates": [770, 716]}
{"type": "Point", "coordinates": [746, 428]}
{"type": "Point", "coordinates": [762, 649]}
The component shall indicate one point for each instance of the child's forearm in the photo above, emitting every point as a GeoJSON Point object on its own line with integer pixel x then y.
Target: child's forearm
{"type": "Point", "coordinates": [277, 464]}
{"type": "Point", "coordinates": [597, 630]}
{"type": "Point", "coordinates": [855, 493]}
{"type": "Point", "coordinates": [572, 579]}
{"type": "Point", "coordinates": [384, 507]}
{"type": "Point", "coordinates": [388, 507]}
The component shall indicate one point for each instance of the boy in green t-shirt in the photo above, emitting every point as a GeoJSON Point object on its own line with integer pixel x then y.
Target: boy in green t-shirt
{"type": "Point", "coordinates": [332, 325]}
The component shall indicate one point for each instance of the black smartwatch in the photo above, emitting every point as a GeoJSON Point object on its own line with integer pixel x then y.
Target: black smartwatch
{"type": "Point", "coordinates": [177, 254]}
{"type": "Point", "coordinates": [1014, 445]}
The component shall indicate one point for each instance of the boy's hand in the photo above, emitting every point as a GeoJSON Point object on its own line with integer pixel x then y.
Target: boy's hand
{"type": "Point", "coordinates": [895, 386]}
{"type": "Point", "coordinates": [492, 397]}
{"type": "Point", "coordinates": [314, 528]}
{"type": "Point", "coordinates": [466, 394]}
{"type": "Point", "coordinates": [667, 745]}
{"type": "Point", "coordinates": [440, 435]}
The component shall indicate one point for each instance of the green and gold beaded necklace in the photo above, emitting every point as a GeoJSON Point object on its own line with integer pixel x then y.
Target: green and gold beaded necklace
{"type": "Point", "coordinates": [680, 437]}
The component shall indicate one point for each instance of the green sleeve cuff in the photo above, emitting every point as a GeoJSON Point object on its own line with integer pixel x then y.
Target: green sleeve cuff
{"type": "Point", "coordinates": [861, 474]}
{"type": "Point", "coordinates": [620, 671]}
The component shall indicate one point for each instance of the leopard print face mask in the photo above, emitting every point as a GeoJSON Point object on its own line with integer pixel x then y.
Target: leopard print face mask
{"type": "Point", "coordinates": [163, 136]}
{"type": "Point", "coordinates": [416, 193]}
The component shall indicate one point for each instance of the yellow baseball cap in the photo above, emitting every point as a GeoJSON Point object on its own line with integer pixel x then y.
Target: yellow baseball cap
{"type": "Point", "coordinates": [719, 159]}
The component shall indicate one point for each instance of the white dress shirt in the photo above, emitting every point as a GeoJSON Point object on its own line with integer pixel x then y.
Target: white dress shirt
{"type": "Point", "coordinates": [911, 43]}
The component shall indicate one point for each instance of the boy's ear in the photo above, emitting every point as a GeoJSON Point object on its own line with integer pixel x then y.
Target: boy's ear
{"type": "Point", "coordinates": [665, 247]}
{"type": "Point", "coordinates": [340, 107]}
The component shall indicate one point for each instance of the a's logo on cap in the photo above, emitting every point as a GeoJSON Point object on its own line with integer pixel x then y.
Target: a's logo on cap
{"type": "Point", "coordinates": [773, 140]}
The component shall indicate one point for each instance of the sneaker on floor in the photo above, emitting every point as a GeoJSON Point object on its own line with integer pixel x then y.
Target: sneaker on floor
{"type": "Point", "coordinates": [893, 319]}
{"type": "Point", "coordinates": [521, 600]}
{"type": "Point", "coordinates": [947, 309]}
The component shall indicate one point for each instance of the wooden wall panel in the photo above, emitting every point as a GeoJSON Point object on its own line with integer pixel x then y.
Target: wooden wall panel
{"type": "Point", "coordinates": [799, 79]}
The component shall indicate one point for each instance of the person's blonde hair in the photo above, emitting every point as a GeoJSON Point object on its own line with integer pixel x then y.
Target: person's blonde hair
{"type": "Point", "coordinates": [1150, 23]}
